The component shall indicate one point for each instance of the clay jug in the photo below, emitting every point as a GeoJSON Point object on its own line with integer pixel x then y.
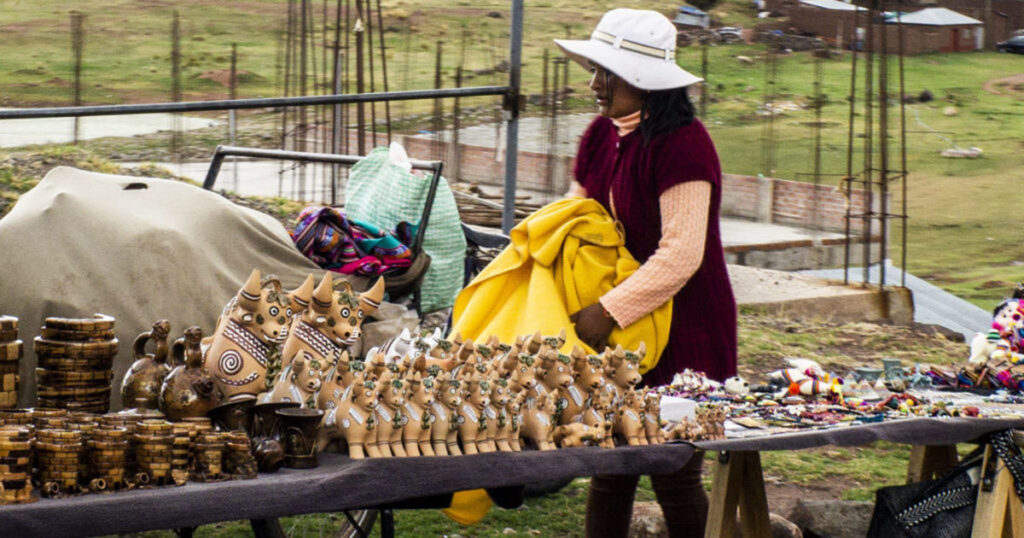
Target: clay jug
{"type": "Point", "coordinates": [142, 382]}
{"type": "Point", "coordinates": [189, 390]}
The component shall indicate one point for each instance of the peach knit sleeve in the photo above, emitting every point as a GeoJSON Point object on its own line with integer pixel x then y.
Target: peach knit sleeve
{"type": "Point", "coordinates": [684, 226]}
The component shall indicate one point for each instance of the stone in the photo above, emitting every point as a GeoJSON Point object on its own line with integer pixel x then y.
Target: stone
{"type": "Point", "coordinates": [780, 528]}
{"type": "Point", "coordinates": [647, 521]}
{"type": "Point", "coordinates": [746, 60]}
{"type": "Point", "coordinates": [950, 111]}
{"type": "Point", "coordinates": [508, 530]}
{"type": "Point", "coordinates": [833, 518]}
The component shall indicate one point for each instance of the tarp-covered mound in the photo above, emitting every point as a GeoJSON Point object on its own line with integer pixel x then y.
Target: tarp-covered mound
{"type": "Point", "coordinates": [139, 249]}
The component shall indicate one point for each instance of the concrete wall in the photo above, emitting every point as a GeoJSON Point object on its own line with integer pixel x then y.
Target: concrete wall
{"type": "Point", "coordinates": [791, 202]}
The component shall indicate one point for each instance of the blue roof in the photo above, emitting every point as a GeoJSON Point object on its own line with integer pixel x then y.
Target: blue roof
{"type": "Point", "coordinates": [691, 10]}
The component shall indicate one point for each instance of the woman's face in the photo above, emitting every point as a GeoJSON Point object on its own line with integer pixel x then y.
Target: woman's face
{"type": "Point", "coordinates": [615, 98]}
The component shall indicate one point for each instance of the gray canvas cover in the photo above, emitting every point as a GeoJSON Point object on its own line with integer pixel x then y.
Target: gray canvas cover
{"type": "Point", "coordinates": [81, 243]}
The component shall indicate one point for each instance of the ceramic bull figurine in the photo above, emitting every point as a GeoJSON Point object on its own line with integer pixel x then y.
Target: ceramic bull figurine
{"type": "Point", "coordinates": [472, 420]}
{"type": "Point", "coordinates": [353, 420]}
{"type": "Point", "coordinates": [652, 419]}
{"type": "Point", "coordinates": [496, 414]}
{"type": "Point", "coordinates": [447, 401]}
{"type": "Point", "coordinates": [419, 408]}
{"type": "Point", "coordinates": [509, 429]}
{"type": "Point", "coordinates": [299, 382]}
{"type": "Point", "coordinates": [390, 416]}
{"type": "Point", "coordinates": [554, 373]}
{"type": "Point", "coordinates": [623, 370]}
{"type": "Point", "coordinates": [253, 323]}
{"type": "Point", "coordinates": [538, 423]}
{"type": "Point", "coordinates": [524, 377]}
{"type": "Point", "coordinates": [588, 378]}
{"type": "Point", "coordinates": [338, 382]}
{"type": "Point", "coordinates": [629, 418]}
{"type": "Point", "coordinates": [576, 434]}
{"type": "Point", "coordinates": [600, 414]}
{"type": "Point", "coordinates": [141, 386]}
{"type": "Point", "coordinates": [333, 320]}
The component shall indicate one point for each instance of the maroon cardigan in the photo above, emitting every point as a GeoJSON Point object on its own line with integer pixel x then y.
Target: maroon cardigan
{"type": "Point", "coordinates": [703, 334]}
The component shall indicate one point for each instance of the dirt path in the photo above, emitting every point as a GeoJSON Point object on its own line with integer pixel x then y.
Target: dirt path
{"type": "Point", "coordinates": [1007, 86]}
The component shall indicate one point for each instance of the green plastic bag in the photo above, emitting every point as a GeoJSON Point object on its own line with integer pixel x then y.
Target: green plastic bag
{"type": "Point", "coordinates": [382, 190]}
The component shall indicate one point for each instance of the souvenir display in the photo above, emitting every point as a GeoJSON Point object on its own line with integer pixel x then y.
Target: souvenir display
{"type": "Point", "coordinates": [188, 390]}
{"type": "Point", "coordinates": [234, 414]}
{"type": "Point", "coordinates": [11, 351]}
{"type": "Point", "coordinates": [75, 357]}
{"type": "Point", "coordinates": [141, 384]}
{"type": "Point", "coordinates": [16, 464]}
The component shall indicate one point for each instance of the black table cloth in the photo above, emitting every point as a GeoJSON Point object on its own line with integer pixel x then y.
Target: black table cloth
{"type": "Point", "coordinates": [338, 484]}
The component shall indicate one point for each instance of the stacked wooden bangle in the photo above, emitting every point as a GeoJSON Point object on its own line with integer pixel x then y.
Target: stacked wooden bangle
{"type": "Point", "coordinates": [106, 455]}
{"type": "Point", "coordinates": [58, 460]}
{"type": "Point", "coordinates": [16, 464]}
{"type": "Point", "coordinates": [75, 360]}
{"type": "Point", "coordinates": [154, 450]}
{"type": "Point", "coordinates": [239, 461]}
{"type": "Point", "coordinates": [11, 351]}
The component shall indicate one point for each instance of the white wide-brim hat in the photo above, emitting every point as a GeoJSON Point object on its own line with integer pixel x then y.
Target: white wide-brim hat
{"type": "Point", "coordinates": [638, 46]}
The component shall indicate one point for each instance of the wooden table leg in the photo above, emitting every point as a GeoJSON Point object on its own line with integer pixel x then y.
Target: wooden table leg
{"type": "Point", "coordinates": [738, 484]}
{"type": "Point", "coordinates": [930, 461]}
{"type": "Point", "coordinates": [999, 511]}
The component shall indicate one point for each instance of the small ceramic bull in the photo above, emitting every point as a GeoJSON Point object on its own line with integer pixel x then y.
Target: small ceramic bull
{"type": "Point", "coordinates": [353, 420]}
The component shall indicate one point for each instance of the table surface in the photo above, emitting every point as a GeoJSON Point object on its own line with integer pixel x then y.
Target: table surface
{"type": "Point", "coordinates": [338, 484]}
{"type": "Point", "coordinates": [913, 431]}
{"type": "Point", "coordinates": [341, 483]}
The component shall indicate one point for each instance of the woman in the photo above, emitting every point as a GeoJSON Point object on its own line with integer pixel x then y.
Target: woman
{"type": "Point", "coordinates": [652, 165]}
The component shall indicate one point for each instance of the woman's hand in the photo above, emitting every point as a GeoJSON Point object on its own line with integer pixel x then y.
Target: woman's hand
{"type": "Point", "coordinates": [593, 326]}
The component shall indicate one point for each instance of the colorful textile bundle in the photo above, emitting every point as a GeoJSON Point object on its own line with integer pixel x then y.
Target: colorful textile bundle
{"type": "Point", "coordinates": [337, 243]}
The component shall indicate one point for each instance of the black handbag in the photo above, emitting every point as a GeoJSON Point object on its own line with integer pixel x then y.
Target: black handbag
{"type": "Point", "coordinates": [942, 508]}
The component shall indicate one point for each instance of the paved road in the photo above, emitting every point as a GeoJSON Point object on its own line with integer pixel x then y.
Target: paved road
{"type": "Point", "coordinates": [16, 133]}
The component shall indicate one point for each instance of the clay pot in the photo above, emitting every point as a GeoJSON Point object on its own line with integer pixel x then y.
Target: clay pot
{"type": "Point", "coordinates": [189, 390]}
{"type": "Point", "coordinates": [234, 415]}
{"type": "Point", "coordinates": [265, 423]}
{"type": "Point", "coordinates": [269, 454]}
{"type": "Point", "coordinates": [147, 372]}
{"type": "Point", "coordinates": [299, 428]}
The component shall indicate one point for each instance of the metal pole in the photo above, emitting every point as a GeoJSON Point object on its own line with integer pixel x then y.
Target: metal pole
{"type": "Point", "coordinates": [384, 68]}
{"type": "Point", "coordinates": [77, 44]}
{"type": "Point", "coordinates": [336, 118]}
{"type": "Point", "coordinates": [512, 111]}
{"type": "Point", "coordinates": [869, 129]}
{"type": "Point", "coordinates": [244, 104]}
{"type": "Point", "coordinates": [360, 109]}
{"type": "Point", "coordinates": [438, 122]}
{"type": "Point", "coordinates": [883, 147]}
{"type": "Point", "coordinates": [903, 147]}
{"type": "Point", "coordinates": [849, 146]}
{"type": "Point", "coordinates": [704, 87]}
{"type": "Point", "coordinates": [176, 84]}
{"type": "Point", "coordinates": [232, 119]}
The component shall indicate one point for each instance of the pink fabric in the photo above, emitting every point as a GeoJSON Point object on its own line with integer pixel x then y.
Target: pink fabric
{"type": "Point", "coordinates": [684, 211]}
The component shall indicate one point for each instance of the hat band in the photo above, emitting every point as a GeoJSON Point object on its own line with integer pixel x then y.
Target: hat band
{"type": "Point", "coordinates": [620, 43]}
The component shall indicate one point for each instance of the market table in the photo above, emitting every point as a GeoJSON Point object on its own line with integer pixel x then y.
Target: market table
{"type": "Point", "coordinates": [338, 484]}
{"type": "Point", "coordinates": [739, 482]}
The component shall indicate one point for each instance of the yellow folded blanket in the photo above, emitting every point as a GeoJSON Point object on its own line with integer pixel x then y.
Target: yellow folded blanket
{"type": "Point", "coordinates": [561, 259]}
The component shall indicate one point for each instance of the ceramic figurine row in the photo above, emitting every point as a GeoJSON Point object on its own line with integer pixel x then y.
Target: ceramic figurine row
{"type": "Point", "coordinates": [430, 396]}
{"type": "Point", "coordinates": [75, 358]}
{"type": "Point", "coordinates": [11, 351]}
